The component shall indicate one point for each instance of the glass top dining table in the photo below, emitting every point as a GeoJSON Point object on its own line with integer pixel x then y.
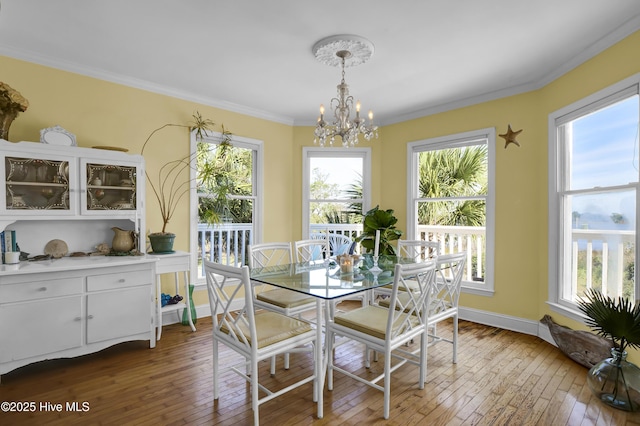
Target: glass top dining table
{"type": "Point", "coordinates": [324, 279]}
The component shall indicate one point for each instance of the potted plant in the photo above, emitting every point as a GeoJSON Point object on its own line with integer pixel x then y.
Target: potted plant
{"type": "Point", "coordinates": [169, 185]}
{"type": "Point", "coordinates": [615, 381]}
{"type": "Point", "coordinates": [384, 221]}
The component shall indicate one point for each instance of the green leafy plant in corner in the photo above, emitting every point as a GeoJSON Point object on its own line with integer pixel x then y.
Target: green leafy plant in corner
{"type": "Point", "coordinates": [383, 220]}
{"type": "Point", "coordinates": [618, 319]}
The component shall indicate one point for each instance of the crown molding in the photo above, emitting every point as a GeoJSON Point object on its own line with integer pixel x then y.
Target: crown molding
{"type": "Point", "coordinates": [141, 84]}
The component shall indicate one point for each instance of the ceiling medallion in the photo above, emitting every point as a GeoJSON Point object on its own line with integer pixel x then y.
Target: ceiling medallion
{"type": "Point", "coordinates": [344, 51]}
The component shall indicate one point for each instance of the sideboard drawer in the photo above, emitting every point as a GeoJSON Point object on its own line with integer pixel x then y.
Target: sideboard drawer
{"type": "Point", "coordinates": [118, 280]}
{"type": "Point", "coordinates": [40, 289]}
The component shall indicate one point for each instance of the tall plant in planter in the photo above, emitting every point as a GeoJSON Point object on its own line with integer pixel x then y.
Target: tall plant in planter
{"type": "Point", "coordinates": [169, 184]}
{"type": "Point", "coordinates": [384, 221]}
{"type": "Point", "coordinates": [615, 381]}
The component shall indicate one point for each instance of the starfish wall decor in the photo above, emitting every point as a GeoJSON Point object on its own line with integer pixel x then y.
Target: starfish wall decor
{"type": "Point", "coordinates": [510, 136]}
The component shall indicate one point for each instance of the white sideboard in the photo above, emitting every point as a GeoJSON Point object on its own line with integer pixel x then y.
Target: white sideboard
{"type": "Point", "coordinates": [74, 306]}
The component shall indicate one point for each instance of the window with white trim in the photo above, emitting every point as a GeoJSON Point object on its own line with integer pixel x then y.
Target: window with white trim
{"type": "Point", "coordinates": [336, 188]}
{"type": "Point", "coordinates": [451, 199]}
{"type": "Point", "coordinates": [593, 196]}
{"type": "Point", "coordinates": [226, 213]}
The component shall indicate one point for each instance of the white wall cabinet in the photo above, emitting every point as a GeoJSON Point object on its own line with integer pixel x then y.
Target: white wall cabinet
{"type": "Point", "coordinates": [76, 193]}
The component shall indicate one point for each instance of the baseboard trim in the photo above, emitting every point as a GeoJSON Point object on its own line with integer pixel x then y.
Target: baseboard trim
{"type": "Point", "coordinates": [507, 322]}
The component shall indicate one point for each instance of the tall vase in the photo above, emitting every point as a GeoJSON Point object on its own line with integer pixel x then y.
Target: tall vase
{"type": "Point", "coordinates": [616, 382]}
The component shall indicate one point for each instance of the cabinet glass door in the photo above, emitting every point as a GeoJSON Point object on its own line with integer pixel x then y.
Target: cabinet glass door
{"type": "Point", "coordinates": [36, 184]}
{"type": "Point", "coordinates": [110, 187]}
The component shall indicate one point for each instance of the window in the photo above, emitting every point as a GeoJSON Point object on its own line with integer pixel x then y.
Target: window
{"type": "Point", "coordinates": [336, 189]}
{"type": "Point", "coordinates": [451, 200]}
{"type": "Point", "coordinates": [593, 195]}
{"type": "Point", "coordinates": [226, 206]}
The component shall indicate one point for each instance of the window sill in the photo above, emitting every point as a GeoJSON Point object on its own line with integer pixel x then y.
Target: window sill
{"type": "Point", "coordinates": [573, 314]}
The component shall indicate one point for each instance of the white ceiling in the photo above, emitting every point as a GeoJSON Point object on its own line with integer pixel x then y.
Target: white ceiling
{"type": "Point", "coordinates": [255, 57]}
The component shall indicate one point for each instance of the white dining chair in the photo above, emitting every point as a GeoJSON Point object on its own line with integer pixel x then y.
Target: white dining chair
{"type": "Point", "coordinates": [417, 250]}
{"type": "Point", "coordinates": [387, 330]}
{"type": "Point", "coordinates": [445, 295]}
{"type": "Point", "coordinates": [312, 249]}
{"type": "Point", "coordinates": [255, 336]}
{"type": "Point", "coordinates": [286, 302]}
{"type": "Point", "coordinates": [338, 243]}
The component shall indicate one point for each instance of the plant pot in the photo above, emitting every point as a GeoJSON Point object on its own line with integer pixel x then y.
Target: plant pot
{"type": "Point", "coordinates": [616, 382]}
{"type": "Point", "coordinates": [162, 243]}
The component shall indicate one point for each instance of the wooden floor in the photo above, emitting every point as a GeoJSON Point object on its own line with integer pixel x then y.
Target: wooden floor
{"type": "Point", "coordinates": [501, 378]}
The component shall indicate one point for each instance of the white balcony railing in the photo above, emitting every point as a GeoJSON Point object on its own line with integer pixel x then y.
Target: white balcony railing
{"type": "Point", "coordinates": [227, 243]}
{"type": "Point", "coordinates": [470, 239]}
{"type": "Point", "coordinates": [610, 252]}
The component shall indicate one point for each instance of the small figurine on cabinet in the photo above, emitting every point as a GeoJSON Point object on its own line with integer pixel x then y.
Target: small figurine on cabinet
{"type": "Point", "coordinates": [102, 249]}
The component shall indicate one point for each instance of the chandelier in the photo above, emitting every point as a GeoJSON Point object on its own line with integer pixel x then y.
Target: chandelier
{"type": "Point", "coordinates": [344, 50]}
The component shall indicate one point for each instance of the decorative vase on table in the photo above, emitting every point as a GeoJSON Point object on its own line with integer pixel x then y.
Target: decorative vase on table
{"type": "Point", "coordinates": [616, 382]}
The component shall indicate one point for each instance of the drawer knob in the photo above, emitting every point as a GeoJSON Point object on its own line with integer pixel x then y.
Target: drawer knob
{"type": "Point", "coordinates": [121, 280]}
{"type": "Point", "coordinates": [89, 316]}
{"type": "Point", "coordinates": [42, 289]}
{"type": "Point", "coordinates": [77, 319]}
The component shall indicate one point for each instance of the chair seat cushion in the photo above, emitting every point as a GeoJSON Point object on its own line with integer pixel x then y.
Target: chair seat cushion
{"type": "Point", "coordinates": [411, 284]}
{"type": "Point", "coordinates": [370, 319]}
{"type": "Point", "coordinates": [285, 298]}
{"type": "Point", "coordinates": [435, 306]}
{"type": "Point", "coordinates": [272, 327]}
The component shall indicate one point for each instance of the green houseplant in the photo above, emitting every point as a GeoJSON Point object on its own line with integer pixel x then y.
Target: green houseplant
{"type": "Point", "coordinates": [384, 221]}
{"type": "Point", "coordinates": [172, 182]}
{"type": "Point", "coordinates": [615, 381]}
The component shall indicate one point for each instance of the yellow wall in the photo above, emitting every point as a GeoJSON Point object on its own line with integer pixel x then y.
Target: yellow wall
{"type": "Point", "coordinates": [103, 113]}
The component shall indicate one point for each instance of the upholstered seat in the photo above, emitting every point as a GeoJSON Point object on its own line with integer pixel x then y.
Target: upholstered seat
{"type": "Point", "coordinates": [272, 327]}
{"type": "Point", "coordinates": [286, 299]}
{"type": "Point", "coordinates": [371, 320]}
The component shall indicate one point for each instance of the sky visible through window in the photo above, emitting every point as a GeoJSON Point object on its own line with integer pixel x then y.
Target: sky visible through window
{"type": "Point", "coordinates": [341, 170]}
{"type": "Point", "coordinates": [605, 154]}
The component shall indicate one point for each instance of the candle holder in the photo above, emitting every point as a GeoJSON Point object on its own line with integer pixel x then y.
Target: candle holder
{"type": "Point", "coordinates": [375, 269]}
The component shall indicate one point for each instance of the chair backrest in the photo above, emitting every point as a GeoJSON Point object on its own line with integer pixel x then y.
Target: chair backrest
{"type": "Point", "coordinates": [269, 254]}
{"type": "Point", "coordinates": [448, 282]}
{"type": "Point", "coordinates": [418, 249]}
{"type": "Point", "coordinates": [409, 312]}
{"type": "Point", "coordinates": [311, 249]}
{"type": "Point", "coordinates": [231, 303]}
{"type": "Point", "coordinates": [338, 243]}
